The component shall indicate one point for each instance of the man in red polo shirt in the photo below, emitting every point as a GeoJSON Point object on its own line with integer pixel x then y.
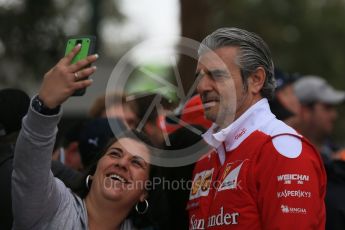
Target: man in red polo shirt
{"type": "Point", "coordinates": [261, 174]}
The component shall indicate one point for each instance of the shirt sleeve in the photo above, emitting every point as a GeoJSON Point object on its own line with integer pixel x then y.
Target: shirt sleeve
{"type": "Point", "coordinates": [35, 194]}
{"type": "Point", "coordinates": [290, 185]}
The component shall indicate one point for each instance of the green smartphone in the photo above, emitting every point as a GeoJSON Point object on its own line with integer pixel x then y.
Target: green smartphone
{"type": "Point", "coordinates": [87, 48]}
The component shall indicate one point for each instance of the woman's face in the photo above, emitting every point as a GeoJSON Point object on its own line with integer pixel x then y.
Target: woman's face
{"type": "Point", "coordinates": [122, 172]}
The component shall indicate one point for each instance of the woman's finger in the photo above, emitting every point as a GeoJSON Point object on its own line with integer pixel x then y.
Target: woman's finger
{"type": "Point", "coordinates": [83, 63]}
{"type": "Point", "coordinates": [82, 84]}
{"type": "Point", "coordinates": [82, 74]}
{"type": "Point", "coordinates": [68, 58]}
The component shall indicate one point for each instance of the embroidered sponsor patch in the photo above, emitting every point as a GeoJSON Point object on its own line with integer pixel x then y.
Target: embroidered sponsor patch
{"type": "Point", "coordinates": [240, 134]}
{"type": "Point", "coordinates": [222, 218]}
{"type": "Point", "coordinates": [292, 210]}
{"type": "Point", "coordinates": [290, 178]}
{"type": "Point", "coordinates": [201, 184]}
{"type": "Point", "coordinates": [294, 193]}
{"type": "Point", "coordinates": [229, 179]}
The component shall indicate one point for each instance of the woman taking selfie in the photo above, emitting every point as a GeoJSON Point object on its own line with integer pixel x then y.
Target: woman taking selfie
{"type": "Point", "coordinates": [113, 188]}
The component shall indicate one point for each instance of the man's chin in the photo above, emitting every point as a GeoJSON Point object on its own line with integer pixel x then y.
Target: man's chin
{"type": "Point", "coordinates": [224, 121]}
{"type": "Point", "coordinates": [210, 116]}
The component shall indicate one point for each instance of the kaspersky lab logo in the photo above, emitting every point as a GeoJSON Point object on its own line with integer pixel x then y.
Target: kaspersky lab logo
{"type": "Point", "coordinates": [120, 78]}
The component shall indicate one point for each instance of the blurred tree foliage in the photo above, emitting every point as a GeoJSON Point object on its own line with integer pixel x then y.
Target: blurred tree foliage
{"type": "Point", "coordinates": [304, 36]}
{"type": "Point", "coordinates": [33, 33]}
{"type": "Point", "coordinates": [194, 17]}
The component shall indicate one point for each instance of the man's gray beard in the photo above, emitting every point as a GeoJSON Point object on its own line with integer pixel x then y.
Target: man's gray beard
{"type": "Point", "coordinates": [225, 118]}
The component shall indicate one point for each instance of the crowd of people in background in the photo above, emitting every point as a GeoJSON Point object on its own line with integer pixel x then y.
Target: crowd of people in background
{"type": "Point", "coordinates": [57, 184]}
{"type": "Point", "coordinates": [316, 119]}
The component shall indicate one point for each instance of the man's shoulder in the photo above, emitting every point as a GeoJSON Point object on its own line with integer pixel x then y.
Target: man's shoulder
{"type": "Point", "coordinates": [286, 149]}
{"type": "Point", "coordinates": [285, 140]}
{"type": "Point", "coordinates": [276, 127]}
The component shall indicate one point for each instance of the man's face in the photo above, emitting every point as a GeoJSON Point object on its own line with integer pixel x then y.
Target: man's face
{"type": "Point", "coordinates": [124, 113]}
{"type": "Point", "coordinates": [288, 99]}
{"type": "Point", "coordinates": [220, 86]}
{"type": "Point", "coordinates": [321, 118]}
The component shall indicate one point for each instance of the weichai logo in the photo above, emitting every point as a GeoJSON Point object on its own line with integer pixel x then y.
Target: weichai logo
{"type": "Point", "coordinates": [288, 178]}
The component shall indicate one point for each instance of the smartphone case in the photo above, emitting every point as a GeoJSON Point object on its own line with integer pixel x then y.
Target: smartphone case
{"type": "Point", "coordinates": [87, 48]}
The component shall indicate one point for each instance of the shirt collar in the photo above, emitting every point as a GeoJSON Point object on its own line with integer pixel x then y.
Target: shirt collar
{"type": "Point", "coordinates": [233, 135]}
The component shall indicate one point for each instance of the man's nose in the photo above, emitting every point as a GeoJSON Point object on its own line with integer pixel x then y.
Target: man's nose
{"type": "Point", "coordinates": [205, 84]}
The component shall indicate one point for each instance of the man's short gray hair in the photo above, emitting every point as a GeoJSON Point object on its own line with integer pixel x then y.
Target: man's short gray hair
{"type": "Point", "coordinates": [254, 53]}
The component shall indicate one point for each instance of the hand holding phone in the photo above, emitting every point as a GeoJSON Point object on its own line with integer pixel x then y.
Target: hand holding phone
{"type": "Point", "coordinates": [87, 48]}
{"type": "Point", "coordinates": [59, 83]}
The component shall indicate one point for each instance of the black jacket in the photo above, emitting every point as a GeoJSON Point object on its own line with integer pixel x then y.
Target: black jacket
{"type": "Point", "coordinates": [335, 196]}
{"type": "Point", "coordinates": [6, 166]}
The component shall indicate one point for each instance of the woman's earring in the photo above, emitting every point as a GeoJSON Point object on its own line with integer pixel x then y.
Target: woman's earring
{"type": "Point", "coordinates": [145, 209]}
{"type": "Point", "coordinates": [87, 181]}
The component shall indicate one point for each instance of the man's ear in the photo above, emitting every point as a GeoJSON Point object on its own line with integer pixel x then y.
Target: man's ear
{"type": "Point", "coordinates": [256, 80]}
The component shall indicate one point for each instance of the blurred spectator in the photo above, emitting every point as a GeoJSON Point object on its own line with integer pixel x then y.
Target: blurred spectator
{"type": "Point", "coordinates": [340, 155]}
{"type": "Point", "coordinates": [184, 127]}
{"type": "Point", "coordinates": [149, 108]}
{"type": "Point", "coordinates": [68, 152]}
{"type": "Point", "coordinates": [317, 117]}
{"type": "Point", "coordinates": [118, 107]}
{"type": "Point", "coordinates": [191, 113]}
{"type": "Point", "coordinates": [159, 124]}
{"type": "Point", "coordinates": [318, 112]}
{"type": "Point", "coordinates": [285, 104]}
{"type": "Point", "coordinates": [335, 199]}
{"type": "Point", "coordinates": [66, 160]}
{"type": "Point", "coordinates": [94, 137]}
{"type": "Point", "coordinates": [14, 104]}
{"type": "Point", "coordinates": [180, 140]}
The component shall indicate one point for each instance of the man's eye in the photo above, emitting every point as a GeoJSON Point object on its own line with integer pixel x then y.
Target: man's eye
{"type": "Point", "coordinates": [215, 76]}
{"type": "Point", "coordinates": [218, 75]}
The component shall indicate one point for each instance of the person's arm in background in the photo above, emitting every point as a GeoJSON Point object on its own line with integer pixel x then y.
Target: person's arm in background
{"type": "Point", "coordinates": [35, 192]}
{"type": "Point", "coordinates": [290, 185]}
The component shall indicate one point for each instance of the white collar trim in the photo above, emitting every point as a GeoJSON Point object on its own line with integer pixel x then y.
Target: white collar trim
{"type": "Point", "coordinates": [233, 135]}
